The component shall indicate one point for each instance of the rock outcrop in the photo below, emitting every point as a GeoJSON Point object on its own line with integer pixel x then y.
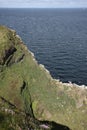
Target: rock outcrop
{"type": "Point", "coordinates": [30, 98]}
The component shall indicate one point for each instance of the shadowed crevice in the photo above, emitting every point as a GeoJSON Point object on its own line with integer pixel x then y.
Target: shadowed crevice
{"type": "Point", "coordinates": [53, 125]}
{"type": "Point", "coordinates": [9, 52]}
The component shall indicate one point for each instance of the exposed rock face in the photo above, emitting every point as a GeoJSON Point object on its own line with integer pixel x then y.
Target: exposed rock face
{"type": "Point", "coordinates": [29, 97]}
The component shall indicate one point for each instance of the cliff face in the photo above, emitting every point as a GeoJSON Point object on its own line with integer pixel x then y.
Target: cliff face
{"type": "Point", "coordinates": [29, 95]}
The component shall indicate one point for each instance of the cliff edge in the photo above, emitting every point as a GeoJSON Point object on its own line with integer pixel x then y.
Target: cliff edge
{"type": "Point", "coordinates": [29, 97]}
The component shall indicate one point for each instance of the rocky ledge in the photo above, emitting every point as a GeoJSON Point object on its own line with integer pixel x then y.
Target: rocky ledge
{"type": "Point", "coordinates": [30, 99]}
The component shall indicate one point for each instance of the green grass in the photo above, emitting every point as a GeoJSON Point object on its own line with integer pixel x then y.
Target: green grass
{"type": "Point", "coordinates": [49, 100]}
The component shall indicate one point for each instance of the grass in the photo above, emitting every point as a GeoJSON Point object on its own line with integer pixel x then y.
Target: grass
{"type": "Point", "coordinates": [50, 100]}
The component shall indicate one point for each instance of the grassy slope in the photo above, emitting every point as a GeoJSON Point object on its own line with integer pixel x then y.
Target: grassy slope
{"type": "Point", "coordinates": [51, 100]}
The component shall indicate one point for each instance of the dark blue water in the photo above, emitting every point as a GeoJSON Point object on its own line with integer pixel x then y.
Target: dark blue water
{"type": "Point", "coordinates": [58, 37]}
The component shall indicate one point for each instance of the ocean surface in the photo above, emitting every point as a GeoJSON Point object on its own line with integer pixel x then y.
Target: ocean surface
{"type": "Point", "coordinates": [58, 38]}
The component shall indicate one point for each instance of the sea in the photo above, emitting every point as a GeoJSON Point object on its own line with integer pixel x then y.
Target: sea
{"type": "Point", "coordinates": [57, 37]}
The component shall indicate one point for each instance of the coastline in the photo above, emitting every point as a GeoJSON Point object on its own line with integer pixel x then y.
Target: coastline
{"type": "Point", "coordinates": [70, 84]}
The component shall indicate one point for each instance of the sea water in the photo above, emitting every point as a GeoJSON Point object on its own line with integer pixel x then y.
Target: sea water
{"type": "Point", "coordinates": [58, 38]}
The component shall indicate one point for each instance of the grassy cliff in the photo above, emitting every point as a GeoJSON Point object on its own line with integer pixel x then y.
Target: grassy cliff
{"type": "Point", "coordinates": [29, 95]}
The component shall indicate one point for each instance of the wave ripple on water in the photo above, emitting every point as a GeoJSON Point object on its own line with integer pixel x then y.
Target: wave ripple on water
{"type": "Point", "coordinates": [58, 37]}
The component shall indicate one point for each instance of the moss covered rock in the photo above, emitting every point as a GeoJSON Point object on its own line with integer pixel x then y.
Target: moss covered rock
{"type": "Point", "coordinates": [27, 89]}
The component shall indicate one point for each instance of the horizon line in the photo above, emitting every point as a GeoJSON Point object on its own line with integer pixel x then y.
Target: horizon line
{"type": "Point", "coordinates": [44, 7]}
